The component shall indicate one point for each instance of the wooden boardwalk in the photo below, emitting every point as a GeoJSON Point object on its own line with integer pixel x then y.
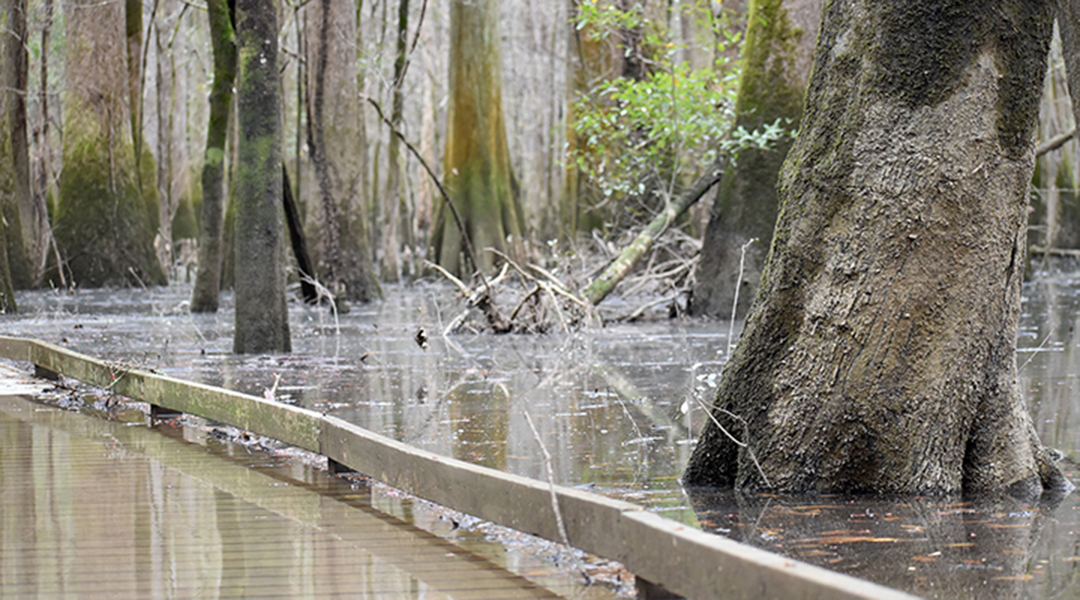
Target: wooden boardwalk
{"type": "Point", "coordinates": [91, 508]}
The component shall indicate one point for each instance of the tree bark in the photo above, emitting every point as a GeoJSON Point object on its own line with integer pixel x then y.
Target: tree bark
{"type": "Point", "coordinates": [1068, 19]}
{"type": "Point", "coordinates": [16, 198]}
{"type": "Point", "coordinates": [392, 199]}
{"type": "Point", "coordinates": [476, 164]}
{"type": "Point", "coordinates": [336, 136]}
{"type": "Point", "coordinates": [262, 316]}
{"type": "Point", "coordinates": [780, 38]}
{"type": "Point", "coordinates": [879, 354]}
{"type": "Point", "coordinates": [208, 277]}
{"type": "Point", "coordinates": [104, 226]}
{"type": "Point", "coordinates": [44, 162]}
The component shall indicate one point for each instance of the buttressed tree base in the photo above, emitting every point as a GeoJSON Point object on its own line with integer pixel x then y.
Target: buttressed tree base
{"type": "Point", "coordinates": [879, 353]}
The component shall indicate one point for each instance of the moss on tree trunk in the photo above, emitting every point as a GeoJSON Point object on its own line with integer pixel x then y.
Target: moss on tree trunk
{"type": "Point", "coordinates": [103, 225]}
{"type": "Point", "coordinates": [208, 278]}
{"type": "Point", "coordinates": [262, 316]}
{"type": "Point", "coordinates": [879, 354]}
{"type": "Point", "coordinates": [476, 165]}
{"type": "Point", "coordinates": [780, 38]}
{"type": "Point", "coordinates": [16, 197]}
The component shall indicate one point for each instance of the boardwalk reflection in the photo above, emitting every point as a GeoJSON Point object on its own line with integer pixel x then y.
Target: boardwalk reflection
{"type": "Point", "coordinates": [90, 508]}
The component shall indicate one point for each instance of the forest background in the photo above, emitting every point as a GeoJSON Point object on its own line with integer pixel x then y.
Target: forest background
{"type": "Point", "coordinates": [609, 111]}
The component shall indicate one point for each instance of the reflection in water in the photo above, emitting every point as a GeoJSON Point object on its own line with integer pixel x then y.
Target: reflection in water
{"type": "Point", "coordinates": [92, 509]}
{"type": "Point", "coordinates": [609, 408]}
{"type": "Point", "coordinates": [480, 420]}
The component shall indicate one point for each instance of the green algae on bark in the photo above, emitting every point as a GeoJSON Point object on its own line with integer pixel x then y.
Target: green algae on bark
{"type": "Point", "coordinates": [879, 353]}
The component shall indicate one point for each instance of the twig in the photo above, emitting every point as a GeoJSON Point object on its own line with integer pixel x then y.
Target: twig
{"type": "Point", "coordinates": [550, 478]}
{"type": "Point", "coordinates": [734, 440]}
{"type": "Point", "coordinates": [735, 302]}
{"type": "Point", "coordinates": [438, 184]}
{"type": "Point", "coordinates": [1036, 351]}
{"type": "Point", "coordinates": [1055, 143]}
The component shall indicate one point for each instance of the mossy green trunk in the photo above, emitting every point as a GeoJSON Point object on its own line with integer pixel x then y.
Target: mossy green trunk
{"type": "Point", "coordinates": [262, 316]}
{"type": "Point", "coordinates": [337, 226]}
{"type": "Point", "coordinates": [879, 354]}
{"type": "Point", "coordinates": [208, 278]}
{"type": "Point", "coordinates": [16, 199]}
{"type": "Point", "coordinates": [103, 225]}
{"type": "Point", "coordinates": [780, 38]}
{"type": "Point", "coordinates": [476, 165]}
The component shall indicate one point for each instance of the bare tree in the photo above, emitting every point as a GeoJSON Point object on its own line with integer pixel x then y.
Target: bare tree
{"type": "Point", "coordinates": [208, 277]}
{"type": "Point", "coordinates": [104, 224]}
{"type": "Point", "coordinates": [476, 164]}
{"type": "Point", "coordinates": [262, 316]}
{"type": "Point", "coordinates": [336, 137]}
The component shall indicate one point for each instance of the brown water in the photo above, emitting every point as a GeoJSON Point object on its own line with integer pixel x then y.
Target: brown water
{"type": "Point", "coordinates": [611, 406]}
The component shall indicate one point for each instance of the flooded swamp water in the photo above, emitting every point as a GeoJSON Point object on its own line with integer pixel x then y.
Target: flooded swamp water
{"type": "Point", "coordinates": [616, 408]}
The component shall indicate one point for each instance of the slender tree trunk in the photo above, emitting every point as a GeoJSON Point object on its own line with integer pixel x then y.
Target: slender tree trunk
{"type": "Point", "coordinates": [780, 38]}
{"type": "Point", "coordinates": [208, 277]}
{"type": "Point", "coordinates": [103, 225]}
{"type": "Point", "coordinates": [41, 210]}
{"type": "Point", "coordinates": [879, 353]}
{"type": "Point", "coordinates": [477, 162]}
{"type": "Point", "coordinates": [16, 197]}
{"type": "Point", "coordinates": [392, 200]}
{"type": "Point", "coordinates": [262, 316]}
{"type": "Point", "coordinates": [337, 138]}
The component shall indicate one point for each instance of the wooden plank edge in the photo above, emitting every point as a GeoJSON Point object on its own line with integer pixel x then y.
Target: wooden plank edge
{"type": "Point", "coordinates": [696, 564]}
{"type": "Point", "coordinates": [296, 426]}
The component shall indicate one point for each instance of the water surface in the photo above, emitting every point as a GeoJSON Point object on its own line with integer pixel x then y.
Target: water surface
{"type": "Point", "coordinates": [617, 409]}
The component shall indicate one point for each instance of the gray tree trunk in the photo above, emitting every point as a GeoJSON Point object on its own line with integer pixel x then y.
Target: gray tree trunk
{"type": "Point", "coordinates": [780, 39]}
{"type": "Point", "coordinates": [16, 197]}
{"type": "Point", "coordinates": [336, 135]}
{"type": "Point", "coordinates": [208, 277]}
{"type": "Point", "coordinates": [879, 354]}
{"type": "Point", "coordinates": [262, 316]}
{"type": "Point", "coordinates": [104, 225]}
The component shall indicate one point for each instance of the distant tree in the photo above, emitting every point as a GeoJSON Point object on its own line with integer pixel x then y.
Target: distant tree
{"type": "Point", "coordinates": [262, 316]}
{"type": "Point", "coordinates": [223, 39]}
{"type": "Point", "coordinates": [879, 354]}
{"type": "Point", "coordinates": [476, 164]}
{"type": "Point", "coordinates": [780, 38]}
{"type": "Point", "coordinates": [12, 183]}
{"type": "Point", "coordinates": [16, 197]}
{"type": "Point", "coordinates": [104, 225]}
{"type": "Point", "coordinates": [394, 197]}
{"type": "Point", "coordinates": [336, 135]}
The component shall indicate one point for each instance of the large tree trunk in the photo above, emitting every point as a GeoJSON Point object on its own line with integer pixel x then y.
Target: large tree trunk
{"type": "Point", "coordinates": [262, 316]}
{"type": "Point", "coordinates": [476, 165]}
{"type": "Point", "coordinates": [879, 354]}
{"type": "Point", "coordinates": [780, 38]}
{"type": "Point", "coordinates": [104, 227]}
{"type": "Point", "coordinates": [336, 136]}
{"type": "Point", "coordinates": [208, 277]}
{"type": "Point", "coordinates": [16, 198]}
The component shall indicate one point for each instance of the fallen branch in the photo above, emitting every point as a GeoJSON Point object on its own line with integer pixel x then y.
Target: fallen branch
{"type": "Point", "coordinates": [629, 257]}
